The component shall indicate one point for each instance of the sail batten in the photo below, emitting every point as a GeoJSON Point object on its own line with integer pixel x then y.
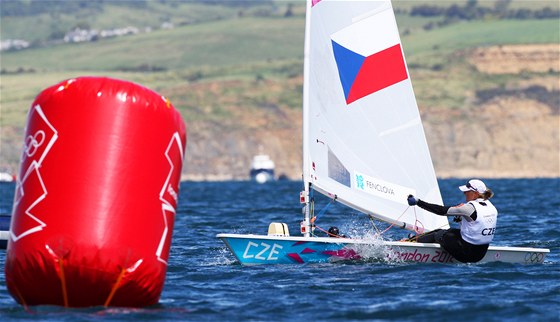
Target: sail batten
{"type": "Point", "coordinates": [383, 7]}
{"type": "Point", "coordinates": [363, 137]}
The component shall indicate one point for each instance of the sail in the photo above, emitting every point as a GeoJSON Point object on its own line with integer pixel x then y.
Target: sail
{"type": "Point", "coordinates": [363, 137]}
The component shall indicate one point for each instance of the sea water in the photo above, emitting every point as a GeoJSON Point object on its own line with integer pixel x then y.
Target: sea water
{"type": "Point", "coordinates": [205, 283]}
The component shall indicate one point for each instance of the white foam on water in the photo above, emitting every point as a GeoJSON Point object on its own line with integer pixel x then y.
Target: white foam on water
{"type": "Point", "coordinates": [374, 248]}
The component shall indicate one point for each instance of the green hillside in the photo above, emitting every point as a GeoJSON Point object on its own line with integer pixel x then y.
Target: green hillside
{"type": "Point", "coordinates": [58, 17]}
{"type": "Point", "coordinates": [242, 48]}
{"type": "Point", "coordinates": [221, 43]}
{"type": "Point", "coordinates": [245, 40]}
{"type": "Point", "coordinates": [217, 60]}
{"type": "Point", "coordinates": [440, 42]}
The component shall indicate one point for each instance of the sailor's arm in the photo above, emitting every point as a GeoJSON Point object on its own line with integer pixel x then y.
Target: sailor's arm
{"type": "Point", "coordinates": [436, 209]}
{"type": "Point", "coordinates": [463, 210]}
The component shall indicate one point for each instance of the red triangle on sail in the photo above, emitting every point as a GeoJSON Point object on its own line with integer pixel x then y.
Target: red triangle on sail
{"type": "Point", "coordinates": [379, 71]}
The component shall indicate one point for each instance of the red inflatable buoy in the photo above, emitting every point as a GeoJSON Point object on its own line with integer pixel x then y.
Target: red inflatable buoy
{"type": "Point", "coordinates": [96, 196]}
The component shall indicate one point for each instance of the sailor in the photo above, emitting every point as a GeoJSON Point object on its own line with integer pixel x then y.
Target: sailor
{"type": "Point", "coordinates": [477, 221]}
{"type": "Point", "coordinates": [334, 232]}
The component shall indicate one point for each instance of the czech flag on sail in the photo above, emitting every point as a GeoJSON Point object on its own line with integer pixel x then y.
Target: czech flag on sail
{"type": "Point", "coordinates": [368, 56]}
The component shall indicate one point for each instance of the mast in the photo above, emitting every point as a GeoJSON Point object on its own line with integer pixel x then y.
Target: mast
{"type": "Point", "coordinates": [304, 198]}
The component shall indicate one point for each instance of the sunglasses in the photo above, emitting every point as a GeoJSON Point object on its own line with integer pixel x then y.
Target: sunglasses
{"type": "Point", "coordinates": [468, 185]}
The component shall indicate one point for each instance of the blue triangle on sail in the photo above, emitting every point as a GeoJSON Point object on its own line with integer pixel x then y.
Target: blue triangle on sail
{"type": "Point", "coordinates": [348, 64]}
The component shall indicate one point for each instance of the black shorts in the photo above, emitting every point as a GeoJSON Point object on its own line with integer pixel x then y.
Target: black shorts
{"type": "Point", "coordinates": [454, 244]}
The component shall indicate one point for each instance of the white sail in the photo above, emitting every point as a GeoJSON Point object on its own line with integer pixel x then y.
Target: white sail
{"type": "Point", "coordinates": [363, 137]}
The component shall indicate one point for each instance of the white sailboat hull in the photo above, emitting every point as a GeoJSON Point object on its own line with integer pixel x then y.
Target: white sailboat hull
{"type": "Point", "coordinates": [262, 249]}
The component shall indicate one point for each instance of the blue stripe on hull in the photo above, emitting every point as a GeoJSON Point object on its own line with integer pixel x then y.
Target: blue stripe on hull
{"type": "Point", "coordinates": [266, 251]}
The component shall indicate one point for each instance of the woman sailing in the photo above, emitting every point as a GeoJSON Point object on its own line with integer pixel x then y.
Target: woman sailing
{"type": "Point", "coordinates": [477, 221]}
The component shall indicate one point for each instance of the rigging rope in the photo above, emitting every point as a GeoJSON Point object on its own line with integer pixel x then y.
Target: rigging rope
{"type": "Point", "coordinates": [314, 218]}
{"type": "Point", "coordinates": [417, 224]}
{"type": "Point", "coordinates": [322, 212]}
{"type": "Point", "coordinates": [393, 224]}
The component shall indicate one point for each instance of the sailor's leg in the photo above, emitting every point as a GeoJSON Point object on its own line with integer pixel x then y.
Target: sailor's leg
{"type": "Point", "coordinates": [452, 242]}
{"type": "Point", "coordinates": [430, 237]}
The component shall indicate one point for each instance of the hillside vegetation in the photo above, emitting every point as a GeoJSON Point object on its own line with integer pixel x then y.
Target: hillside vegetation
{"type": "Point", "coordinates": [234, 70]}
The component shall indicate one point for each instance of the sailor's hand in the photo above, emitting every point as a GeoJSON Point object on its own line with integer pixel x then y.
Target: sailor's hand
{"type": "Point", "coordinates": [412, 201]}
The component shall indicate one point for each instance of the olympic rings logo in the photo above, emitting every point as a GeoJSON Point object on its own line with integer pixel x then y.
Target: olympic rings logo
{"type": "Point", "coordinates": [33, 142]}
{"type": "Point", "coordinates": [534, 257]}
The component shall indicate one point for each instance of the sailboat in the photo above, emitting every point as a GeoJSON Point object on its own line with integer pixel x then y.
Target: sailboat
{"type": "Point", "coordinates": [262, 168]}
{"type": "Point", "coordinates": [363, 146]}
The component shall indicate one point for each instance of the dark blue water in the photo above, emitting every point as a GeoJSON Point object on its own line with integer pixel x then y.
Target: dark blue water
{"type": "Point", "coordinates": [204, 282]}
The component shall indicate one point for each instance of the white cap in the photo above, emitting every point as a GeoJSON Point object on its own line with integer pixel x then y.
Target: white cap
{"type": "Point", "coordinates": [474, 185]}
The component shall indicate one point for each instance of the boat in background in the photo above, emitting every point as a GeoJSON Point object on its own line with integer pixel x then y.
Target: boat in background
{"type": "Point", "coordinates": [5, 220]}
{"type": "Point", "coordinates": [363, 146]}
{"type": "Point", "coordinates": [262, 168]}
{"type": "Point", "coordinates": [6, 177]}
